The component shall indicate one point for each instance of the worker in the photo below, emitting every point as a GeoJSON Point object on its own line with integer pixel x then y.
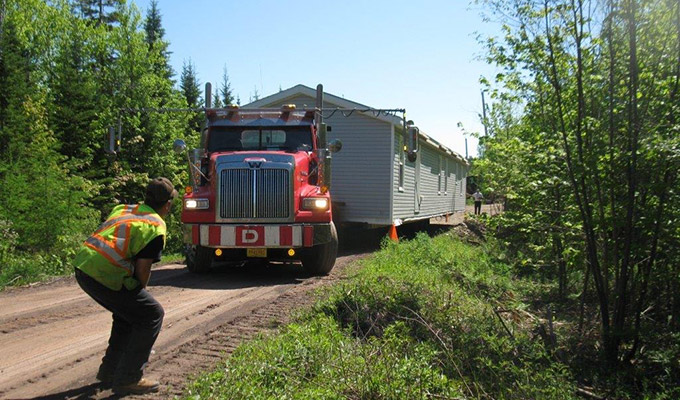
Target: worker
{"type": "Point", "coordinates": [477, 195]}
{"type": "Point", "coordinates": [113, 267]}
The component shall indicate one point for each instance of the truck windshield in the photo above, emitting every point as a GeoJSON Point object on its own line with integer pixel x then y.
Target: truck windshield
{"type": "Point", "coordinates": [234, 138]}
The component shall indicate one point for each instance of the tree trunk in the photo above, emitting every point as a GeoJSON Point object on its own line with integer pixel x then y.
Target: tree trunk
{"type": "Point", "coordinates": [586, 275]}
{"type": "Point", "coordinates": [621, 291]}
{"type": "Point", "coordinates": [648, 265]}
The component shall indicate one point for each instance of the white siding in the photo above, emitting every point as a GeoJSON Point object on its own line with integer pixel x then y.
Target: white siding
{"type": "Point", "coordinates": [361, 171]}
{"type": "Point", "coordinates": [360, 184]}
{"type": "Point", "coordinates": [365, 182]}
{"type": "Point", "coordinates": [461, 176]}
{"type": "Point", "coordinates": [434, 201]}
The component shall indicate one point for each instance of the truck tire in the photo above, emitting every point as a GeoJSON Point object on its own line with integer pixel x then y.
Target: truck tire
{"type": "Point", "coordinates": [199, 259]}
{"type": "Point", "coordinates": [320, 259]}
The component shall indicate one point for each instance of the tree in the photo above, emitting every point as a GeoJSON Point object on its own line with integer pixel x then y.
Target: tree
{"type": "Point", "coordinates": [158, 47]}
{"type": "Point", "coordinates": [227, 96]}
{"type": "Point", "coordinates": [191, 90]}
{"type": "Point", "coordinates": [46, 205]}
{"type": "Point", "coordinates": [75, 105]}
{"type": "Point", "coordinates": [217, 100]}
{"type": "Point", "coordinates": [189, 84]}
{"type": "Point", "coordinates": [598, 89]}
{"type": "Point", "coordinates": [68, 72]}
{"type": "Point", "coordinates": [100, 11]}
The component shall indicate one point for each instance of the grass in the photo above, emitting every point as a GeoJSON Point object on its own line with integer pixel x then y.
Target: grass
{"type": "Point", "coordinates": [171, 258]}
{"type": "Point", "coordinates": [22, 268]}
{"type": "Point", "coordinates": [418, 320]}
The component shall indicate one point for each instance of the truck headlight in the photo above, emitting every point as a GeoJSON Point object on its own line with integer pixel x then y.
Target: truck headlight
{"type": "Point", "coordinates": [315, 204]}
{"type": "Point", "coordinates": [196, 204]}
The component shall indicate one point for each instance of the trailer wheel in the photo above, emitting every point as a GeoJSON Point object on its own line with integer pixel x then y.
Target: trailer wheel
{"type": "Point", "coordinates": [320, 259]}
{"type": "Point", "coordinates": [199, 259]}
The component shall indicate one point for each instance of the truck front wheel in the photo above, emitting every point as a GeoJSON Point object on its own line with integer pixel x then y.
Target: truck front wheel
{"type": "Point", "coordinates": [320, 259]}
{"type": "Point", "coordinates": [199, 259]}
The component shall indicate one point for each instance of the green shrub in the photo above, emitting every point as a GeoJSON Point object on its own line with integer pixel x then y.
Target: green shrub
{"type": "Point", "coordinates": [441, 290]}
{"type": "Point", "coordinates": [19, 267]}
{"type": "Point", "coordinates": [416, 321]}
{"type": "Point", "coordinates": [316, 359]}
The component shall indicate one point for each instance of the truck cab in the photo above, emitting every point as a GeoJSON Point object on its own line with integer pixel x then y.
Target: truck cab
{"type": "Point", "coordinates": [258, 191]}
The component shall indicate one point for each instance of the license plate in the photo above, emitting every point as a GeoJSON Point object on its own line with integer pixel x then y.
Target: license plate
{"type": "Point", "coordinates": [256, 252]}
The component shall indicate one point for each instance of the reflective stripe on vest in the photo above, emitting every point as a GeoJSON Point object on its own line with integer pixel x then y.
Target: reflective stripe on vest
{"type": "Point", "coordinates": [129, 218]}
{"type": "Point", "coordinates": [103, 248]}
{"type": "Point", "coordinates": [115, 251]}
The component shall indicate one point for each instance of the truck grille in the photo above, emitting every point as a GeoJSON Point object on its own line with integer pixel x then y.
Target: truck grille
{"type": "Point", "coordinates": [255, 193]}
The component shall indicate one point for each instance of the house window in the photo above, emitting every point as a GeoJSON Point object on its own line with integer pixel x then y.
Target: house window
{"type": "Point", "coordinates": [439, 183]}
{"type": "Point", "coordinates": [446, 179]}
{"type": "Point", "coordinates": [400, 146]}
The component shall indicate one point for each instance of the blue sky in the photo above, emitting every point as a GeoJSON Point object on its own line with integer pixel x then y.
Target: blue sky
{"type": "Point", "coordinates": [417, 55]}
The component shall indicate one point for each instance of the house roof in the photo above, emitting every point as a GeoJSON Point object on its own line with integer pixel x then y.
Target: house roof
{"type": "Point", "coordinates": [340, 102]}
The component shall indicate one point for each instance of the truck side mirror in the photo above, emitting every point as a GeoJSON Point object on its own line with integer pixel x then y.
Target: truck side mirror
{"type": "Point", "coordinates": [335, 146]}
{"type": "Point", "coordinates": [179, 146]}
{"type": "Point", "coordinates": [413, 132]}
{"type": "Point", "coordinates": [411, 147]}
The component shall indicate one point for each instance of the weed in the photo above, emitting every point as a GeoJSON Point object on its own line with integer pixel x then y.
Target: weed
{"type": "Point", "coordinates": [417, 321]}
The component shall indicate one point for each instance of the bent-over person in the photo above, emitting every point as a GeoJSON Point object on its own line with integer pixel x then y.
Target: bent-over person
{"type": "Point", "coordinates": [113, 267]}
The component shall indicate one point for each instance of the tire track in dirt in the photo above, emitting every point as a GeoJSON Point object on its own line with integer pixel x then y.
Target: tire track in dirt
{"type": "Point", "coordinates": [206, 352]}
{"type": "Point", "coordinates": [56, 335]}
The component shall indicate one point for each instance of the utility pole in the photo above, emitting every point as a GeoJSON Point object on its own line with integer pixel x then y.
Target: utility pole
{"type": "Point", "coordinates": [486, 132]}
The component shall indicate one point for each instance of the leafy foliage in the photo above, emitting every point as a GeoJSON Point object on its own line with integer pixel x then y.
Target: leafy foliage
{"type": "Point", "coordinates": [68, 72]}
{"type": "Point", "coordinates": [416, 321]}
{"type": "Point", "coordinates": [584, 145]}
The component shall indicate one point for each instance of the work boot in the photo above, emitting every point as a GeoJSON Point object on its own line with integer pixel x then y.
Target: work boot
{"type": "Point", "coordinates": [140, 387]}
{"type": "Point", "coordinates": [105, 374]}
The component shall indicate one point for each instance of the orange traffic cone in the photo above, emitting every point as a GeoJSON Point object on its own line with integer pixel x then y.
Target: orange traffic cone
{"type": "Point", "coordinates": [393, 233]}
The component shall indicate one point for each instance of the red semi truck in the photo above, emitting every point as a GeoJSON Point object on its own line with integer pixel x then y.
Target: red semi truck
{"type": "Point", "coordinates": [260, 189]}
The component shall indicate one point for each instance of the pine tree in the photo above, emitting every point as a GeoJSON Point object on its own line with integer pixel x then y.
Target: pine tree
{"type": "Point", "coordinates": [227, 96]}
{"type": "Point", "coordinates": [189, 85]}
{"type": "Point", "coordinates": [192, 94]}
{"type": "Point", "coordinates": [158, 47]}
{"type": "Point", "coordinates": [13, 64]}
{"type": "Point", "coordinates": [152, 24]}
{"type": "Point", "coordinates": [217, 100]}
{"type": "Point", "coordinates": [100, 11]}
{"type": "Point", "coordinates": [46, 202]}
{"type": "Point", "coordinates": [75, 105]}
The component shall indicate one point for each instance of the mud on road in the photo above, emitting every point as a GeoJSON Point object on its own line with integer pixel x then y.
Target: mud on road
{"type": "Point", "coordinates": [52, 336]}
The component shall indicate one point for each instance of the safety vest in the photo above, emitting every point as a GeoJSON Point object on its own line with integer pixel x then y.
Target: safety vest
{"type": "Point", "coordinates": [108, 255]}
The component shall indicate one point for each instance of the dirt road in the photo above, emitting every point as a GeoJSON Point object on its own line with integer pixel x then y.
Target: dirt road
{"type": "Point", "coordinates": [52, 336]}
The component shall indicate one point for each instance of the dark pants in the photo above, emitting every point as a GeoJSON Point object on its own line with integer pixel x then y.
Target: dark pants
{"type": "Point", "coordinates": [137, 320]}
{"type": "Point", "coordinates": [478, 207]}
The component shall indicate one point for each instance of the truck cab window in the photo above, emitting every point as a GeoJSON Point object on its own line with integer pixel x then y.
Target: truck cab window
{"type": "Point", "coordinates": [238, 138]}
{"type": "Point", "coordinates": [221, 139]}
{"type": "Point", "coordinates": [263, 139]}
